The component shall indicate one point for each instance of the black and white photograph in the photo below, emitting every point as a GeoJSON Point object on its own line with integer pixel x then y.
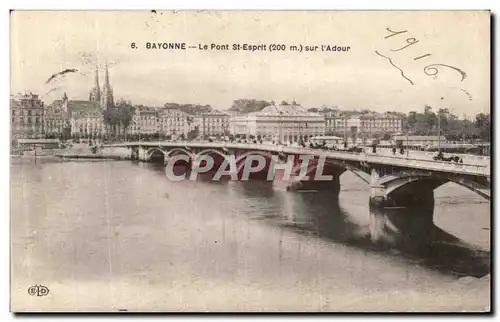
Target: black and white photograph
{"type": "Point", "coordinates": [250, 161]}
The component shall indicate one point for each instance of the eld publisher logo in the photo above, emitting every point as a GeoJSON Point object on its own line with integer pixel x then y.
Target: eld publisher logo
{"type": "Point", "coordinates": [38, 290]}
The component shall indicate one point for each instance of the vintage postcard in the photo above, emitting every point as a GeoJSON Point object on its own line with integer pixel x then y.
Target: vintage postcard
{"type": "Point", "coordinates": [250, 161]}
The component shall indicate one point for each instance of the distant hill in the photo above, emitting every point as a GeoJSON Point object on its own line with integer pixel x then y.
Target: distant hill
{"type": "Point", "coordinates": [248, 105]}
{"type": "Point", "coordinates": [190, 108]}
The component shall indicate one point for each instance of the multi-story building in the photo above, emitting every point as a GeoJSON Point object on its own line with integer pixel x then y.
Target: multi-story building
{"type": "Point", "coordinates": [173, 122]}
{"type": "Point", "coordinates": [375, 123]}
{"type": "Point", "coordinates": [285, 123]}
{"type": "Point", "coordinates": [145, 121]}
{"type": "Point", "coordinates": [214, 123]}
{"type": "Point", "coordinates": [27, 113]}
{"type": "Point", "coordinates": [56, 118]}
{"type": "Point", "coordinates": [333, 120]}
{"type": "Point", "coordinates": [86, 119]}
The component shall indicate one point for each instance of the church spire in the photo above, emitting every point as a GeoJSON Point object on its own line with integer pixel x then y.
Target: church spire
{"type": "Point", "coordinates": [96, 82]}
{"type": "Point", "coordinates": [95, 93]}
{"type": "Point", "coordinates": [106, 76]}
{"type": "Point", "coordinates": [107, 92]}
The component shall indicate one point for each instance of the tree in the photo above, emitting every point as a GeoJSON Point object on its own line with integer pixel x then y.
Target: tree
{"type": "Point", "coordinates": [193, 133]}
{"type": "Point", "coordinates": [386, 137]}
{"type": "Point", "coordinates": [119, 116]}
{"type": "Point", "coordinates": [125, 112]}
{"type": "Point", "coordinates": [248, 105]}
{"type": "Point", "coordinates": [483, 126]}
{"type": "Point", "coordinates": [412, 120]}
{"type": "Point", "coordinates": [430, 119]}
{"type": "Point", "coordinates": [189, 108]}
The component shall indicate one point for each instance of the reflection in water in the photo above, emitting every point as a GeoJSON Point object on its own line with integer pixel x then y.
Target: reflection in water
{"type": "Point", "coordinates": [319, 213]}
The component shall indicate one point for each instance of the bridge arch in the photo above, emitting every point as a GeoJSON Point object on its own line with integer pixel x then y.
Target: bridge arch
{"type": "Point", "coordinates": [246, 154]}
{"type": "Point", "coordinates": [150, 151]}
{"type": "Point", "coordinates": [240, 162]}
{"type": "Point", "coordinates": [176, 151]}
{"type": "Point", "coordinates": [395, 183]}
{"type": "Point", "coordinates": [209, 151]}
{"type": "Point", "coordinates": [155, 154]}
{"type": "Point", "coordinates": [358, 171]}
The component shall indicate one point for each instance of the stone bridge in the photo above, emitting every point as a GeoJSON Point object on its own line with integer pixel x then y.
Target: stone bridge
{"type": "Point", "coordinates": [402, 188]}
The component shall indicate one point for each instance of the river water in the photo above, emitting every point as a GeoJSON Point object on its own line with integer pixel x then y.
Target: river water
{"type": "Point", "coordinates": [117, 235]}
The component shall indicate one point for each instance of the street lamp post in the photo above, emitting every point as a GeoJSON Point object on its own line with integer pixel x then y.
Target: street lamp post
{"type": "Point", "coordinates": [345, 132]}
{"type": "Point", "coordinates": [439, 132]}
{"type": "Point", "coordinates": [300, 132]}
{"type": "Point", "coordinates": [281, 128]}
{"type": "Point", "coordinates": [439, 129]}
{"type": "Point", "coordinates": [407, 141]}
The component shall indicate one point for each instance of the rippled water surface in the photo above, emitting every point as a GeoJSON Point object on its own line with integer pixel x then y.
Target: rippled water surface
{"type": "Point", "coordinates": [120, 236]}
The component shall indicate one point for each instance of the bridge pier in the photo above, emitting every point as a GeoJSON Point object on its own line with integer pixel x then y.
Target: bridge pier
{"type": "Point", "coordinates": [404, 218]}
{"type": "Point", "coordinates": [142, 154]}
{"type": "Point", "coordinates": [134, 153]}
{"type": "Point", "coordinates": [316, 179]}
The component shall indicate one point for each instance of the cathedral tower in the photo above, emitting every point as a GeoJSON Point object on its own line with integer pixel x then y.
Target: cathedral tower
{"type": "Point", "coordinates": [107, 92]}
{"type": "Point", "coordinates": [95, 93]}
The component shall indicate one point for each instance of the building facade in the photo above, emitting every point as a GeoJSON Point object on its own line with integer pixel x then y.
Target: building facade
{"type": "Point", "coordinates": [375, 123]}
{"type": "Point", "coordinates": [145, 121]}
{"type": "Point", "coordinates": [27, 114]}
{"type": "Point", "coordinates": [56, 120]}
{"type": "Point", "coordinates": [334, 123]}
{"type": "Point", "coordinates": [173, 122]}
{"type": "Point", "coordinates": [86, 119]}
{"type": "Point", "coordinates": [363, 124]}
{"type": "Point", "coordinates": [285, 123]}
{"type": "Point", "coordinates": [213, 123]}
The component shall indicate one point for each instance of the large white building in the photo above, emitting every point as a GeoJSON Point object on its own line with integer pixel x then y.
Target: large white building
{"type": "Point", "coordinates": [285, 123]}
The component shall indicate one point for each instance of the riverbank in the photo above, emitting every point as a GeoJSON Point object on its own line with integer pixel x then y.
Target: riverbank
{"type": "Point", "coordinates": [76, 152]}
{"type": "Point", "coordinates": [92, 156]}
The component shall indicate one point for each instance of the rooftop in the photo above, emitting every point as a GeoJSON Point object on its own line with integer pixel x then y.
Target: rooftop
{"type": "Point", "coordinates": [289, 110]}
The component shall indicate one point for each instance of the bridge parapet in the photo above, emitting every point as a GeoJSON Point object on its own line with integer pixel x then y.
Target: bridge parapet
{"type": "Point", "coordinates": [480, 169]}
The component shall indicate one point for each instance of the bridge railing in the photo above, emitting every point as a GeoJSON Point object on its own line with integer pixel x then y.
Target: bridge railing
{"type": "Point", "coordinates": [473, 169]}
{"type": "Point", "coordinates": [395, 160]}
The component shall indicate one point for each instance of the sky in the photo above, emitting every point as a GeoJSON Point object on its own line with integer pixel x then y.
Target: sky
{"type": "Point", "coordinates": [377, 73]}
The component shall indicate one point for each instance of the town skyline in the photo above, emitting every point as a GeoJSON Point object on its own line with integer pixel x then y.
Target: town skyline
{"type": "Point", "coordinates": [358, 79]}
